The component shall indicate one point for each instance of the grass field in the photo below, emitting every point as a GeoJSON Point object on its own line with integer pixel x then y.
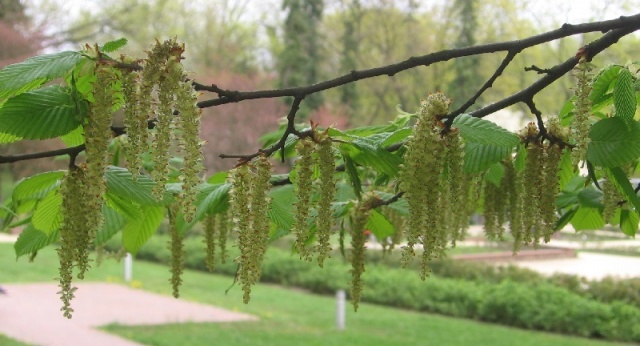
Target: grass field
{"type": "Point", "coordinates": [6, 341]}
{"type": "Point", "coordinates": [287, 317]}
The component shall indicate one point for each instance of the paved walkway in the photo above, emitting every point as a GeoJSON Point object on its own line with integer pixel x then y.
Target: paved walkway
{"type": "Point", "coordinates": [31, 313]}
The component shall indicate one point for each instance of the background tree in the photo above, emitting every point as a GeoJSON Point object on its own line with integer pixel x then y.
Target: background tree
{"type": "Point", "coordinates": [301, 56]}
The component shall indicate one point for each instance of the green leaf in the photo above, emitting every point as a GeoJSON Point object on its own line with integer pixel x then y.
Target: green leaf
{"type": "Point", "coordinates": [602, 83]}
{"type": "Point", "coordinates": [114, 45]}
{"type": "Point", "coordinates": [482, 131]}
{"type": "Point", "coordinates": [613, 143]}
{"type": "Point", "coordinates": [7, 138]}
{"type": "Point", "coordinates": [485, 142]}
{"type": "Point", "coordinates": [37, 186]}
{"type": "Point", "coordinates": [622, 183]}
{"type": "Point", "coordinates": [31, 240]}
{"type": "Point", "coordinates": [33, 72]}
{"type": "Point", "coordinates": [215, 201]}
{"type": "Point", "coordinates": [352, 173]}
{"type": "Point", "coordinates": [624, 96]}
{"type": "Point", "coordinates": [120, 183]}
{"type": "Point", "coordinates": [566, 172]}
{"type": "Point", "coordinates": [127, 208]}
{"type": "Point", "coordinates": [590, 197]}
{"type": "Point", "coordinates": [368, 153]}
{"type": "Point", "coordinates": [380, 226]}
{"type": "Point", "coordinates": [629, 222]}
{"type": "Point", "coordinates": [397, 136]}
{"type": "Point", "coordinates": [479, 157]}
{"type": "Point", "coordinates": [47, 216]}
{"type": "Point", "coordinates": [39, 114]}
{"type": "Point", "coordinates": [280, 211]}
{"type": "Point", "coordinates": [565, 218]}
{"type": "Point", "coordinates": [137, 232]}
{"type": "Point", "coordinates": [495, 173]}
{"type": "Point", "coordinates": [113, 222]}
{"type": "Point", "coordinates": [74, 138]}
{"type": "Point", "coordinates": [218, 178]}
{"type": "Point", "coordinates": [587, 218]}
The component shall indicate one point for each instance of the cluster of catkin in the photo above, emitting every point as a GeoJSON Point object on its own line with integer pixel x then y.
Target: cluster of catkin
{"type": "Point", "coordinates": [525, 199]}
{"type": "Point", "coordinates": [439, 194]}
{"type": "Point", "coordinates": [158, 95]}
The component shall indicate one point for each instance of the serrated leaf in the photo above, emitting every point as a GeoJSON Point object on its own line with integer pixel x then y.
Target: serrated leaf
{"type": "Point", "coordinates": [479, 157]}
{"type": "Point", "coordinates": [44, 113]}
{"type": "Point", "coordinates": [7, 138]}
{"type": "Point", "coordinates": [31, 240]}
{"type": "Point", "coordinates": [36, 186]}
{"type": "Point", "coordinates": [629, 222]}
{"type": "Point", "coordinates": [400, 205]}
{"type": "Point", "coordinates": [495, 173]}
{"type": "Point", "coordinates": [380, 226]}
{"type": "Point", "coordinates": [485, 142]}
{"type": "Point", "coordinates": [352, 172]}
{"type": "Point", "coordinates": [74, 138]}
{"type": "Point", "coordinates": [215, 201]}
{"type": "Point", "coordinates": [218, 178]}
{"type": "Point", "coordinates": [566, 172]}
{"type": "Point", "coordinates": [397, 136]}
{"type": "Point", "coordinates": [590, 197]}
{"type": "Point", "coordinates": [368, 153]}
{"type": "Point", "coordinates": [482, 131]}
{"type": "Point", "coordinates": [613, 143]}
{"type": "Point", "coordinates": [624, 97]}
{"type": "Point", "coordinates": [114, 45]}
{"type": "Point", "coordinates": [131, 211]}
{"type": "Point", "coordinates": [587, 218]}
{"type": "Point", "coordinates": [565, 218]}
{"type": "Point", "coordinates": [137, 232]}
{"type": "Point", "coordinates": [280, 210]}
{"type": "Point", "coordinates": [33, 72]}
{"type": "Point", "coordinates": [120, 182]}
{"type": "Point", "coordinates": [622, 183]}
{"type": "Point", "coordinates": [47, 216]}
{"type": "Point", "coordinates": [602, 83]}
{"type": "Point", "coordinates": [113, 223]}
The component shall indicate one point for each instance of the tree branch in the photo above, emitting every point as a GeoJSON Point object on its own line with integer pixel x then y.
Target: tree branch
{"type": "Point", "coordinates": [626, 24]}
{"type": "Point", "coordinates": [72, 152]}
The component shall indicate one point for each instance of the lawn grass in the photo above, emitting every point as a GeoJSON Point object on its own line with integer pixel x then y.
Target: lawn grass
{"type": "Point", "coordinates": [7, 341]}
{"type": "Point", "coordinates": [287, 317]}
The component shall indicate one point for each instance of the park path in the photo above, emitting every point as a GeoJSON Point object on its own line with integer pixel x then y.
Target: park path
{"type": "Point", "coordinates": [31, 313]}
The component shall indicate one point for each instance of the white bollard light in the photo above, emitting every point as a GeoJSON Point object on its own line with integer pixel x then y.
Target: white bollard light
{"type": "Point", "coordinates": [128, 267]}
{"type": "Point", "coordinates": [341, 297]}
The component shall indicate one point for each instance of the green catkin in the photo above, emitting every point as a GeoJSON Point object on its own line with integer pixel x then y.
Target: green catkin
{"type": "Point", "coordinates": [533, 179]}
{"type": "Point", "coordinates": [71, 210]}
{"type": "Point", "coordinates": [457, 186]}
{"type": "Point", "coordinates": [360, 215]}
{"type": "Point", "coordinates": [222, 224]}
{"type": "Point", "coordinates": [327, 190]}
{"type": "Point", "coordinates": [260, 220]}
{"type": "Point", "coordinates": [210, 238]}
{"type": "Point", "coordinates": [240, 213]}
{"type": "Point", "coordinates": [420, 178]}
{"type": "Point", "coordinates": [611, 199]}
{"type": "Point", "coordinates": [163, 135]}
{"type": "Point", "coordinates": [582, 108]}
{"type": "Point", "coordinates": [132, 119]}
{"type": "Point", "coordinates": [304, 180]}
{"type": "Point", "coordinates": [97, 137]}
{"type": "Point", "coordinates": [550, 190]}
{"type": "Point", "coordinates": [495, 203]}
{"type": "Point", "coordinates": [512, 183]}
{"type": "Point", "coordinates": [176, 245]}
{"type": "Point", "coordinates": [189, 130]}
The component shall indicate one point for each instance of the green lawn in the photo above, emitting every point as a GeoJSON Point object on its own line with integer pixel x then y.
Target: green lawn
{"type": "Point", "coordinates": [287, 317]}
{"type": "Point", "coordinates": [6, 341]}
